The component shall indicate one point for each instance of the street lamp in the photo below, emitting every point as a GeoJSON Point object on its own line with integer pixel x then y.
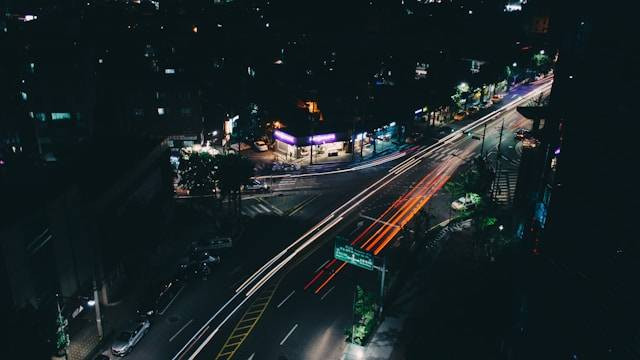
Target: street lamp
{"type": "Point", "coordinates": [501, 227]}
{"type": "Point", "coordinates": [515, 64]}
{"type": "Point", "coordinates": [541, 52]}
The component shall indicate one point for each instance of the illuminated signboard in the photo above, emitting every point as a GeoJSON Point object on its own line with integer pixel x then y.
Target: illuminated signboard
{"type": "Point", "coordinates": [343, 251]}
{"type": "Point", "coordinates": [321, 139]}
{"type": "Point", "coordinates": [284, 137]}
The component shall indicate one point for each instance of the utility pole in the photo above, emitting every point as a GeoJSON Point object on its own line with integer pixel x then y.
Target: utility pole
{"type": "Point", "coordinates": [498, 156]}
{"type": "Point", "coordinates": [484, 132]}
{"type": "Point", "coordinates": [96, 299]}
{"type": "Point", "coordinates": [353, 319]}
{"type": "Point", "coordinates": [384, 270]}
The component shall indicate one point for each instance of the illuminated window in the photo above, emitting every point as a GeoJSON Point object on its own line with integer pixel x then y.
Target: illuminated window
{"type": "Point", "coordinates": [60, 116]}
{"type": "Point", "coordinates": [41, 116]}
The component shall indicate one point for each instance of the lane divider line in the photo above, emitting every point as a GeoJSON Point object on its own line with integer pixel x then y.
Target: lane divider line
{"type": "Point", "coordinates": [289, 334]}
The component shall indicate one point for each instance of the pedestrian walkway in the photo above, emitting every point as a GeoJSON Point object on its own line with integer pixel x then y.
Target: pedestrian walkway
{"type": "Point", "coordinates": [257, 206]}
{"type": "Point", "coordinates": [505, 186]}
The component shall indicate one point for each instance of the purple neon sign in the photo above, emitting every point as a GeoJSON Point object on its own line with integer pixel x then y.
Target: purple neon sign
{"type": "Point", "coordinates": [284, 137]}
{"type": "Point", "coordinates": [321, 139]}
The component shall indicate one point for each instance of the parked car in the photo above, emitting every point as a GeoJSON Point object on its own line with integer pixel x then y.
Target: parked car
{"type": "Point", "coordinates": [414, 138]}
{"type": "Point", "coordinates": [260, 146]}
{"type": "Point", "coordinates": [211, 243]}
{"type": "Point", "coordinates": [496, 98]}
{"type": "Point", "coordinates": [472, 109]}
{"type": "Point", "coordinates": [530, 143]}
{"type": "Point", "coordinates": [444, 131]}
{"type": "Point", "coordinates": [198, 264]}
{"type": "Point", "coordinates": [199, 257]}
{"type": "Point", "coordinates": [126, 340]}
{"type": "Point", "coordinates": [255, 186]}
{"type": "Point", "coordinates": [522, 134]}
{"type": "Point", "coordinates": [285, 167]}
{"type": "Point", "coordinates": [158, 297]}
{"type": "Point", "coordinates": [467, 202]}
{"type": "Point", "coordinates": [459, 115]}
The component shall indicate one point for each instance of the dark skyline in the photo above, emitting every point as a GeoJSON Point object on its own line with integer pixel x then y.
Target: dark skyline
{"type": "Point", "coordinates": [193, 166]}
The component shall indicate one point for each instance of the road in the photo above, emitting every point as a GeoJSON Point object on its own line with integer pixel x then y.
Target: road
{"type": "Point", "coordinates": [282, 249]}
{"type": "Point", "coordinates": [299, 303]}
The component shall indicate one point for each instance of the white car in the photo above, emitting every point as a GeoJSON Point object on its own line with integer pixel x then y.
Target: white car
{"type": "Point", "coordinates": [126, 340]}
{"type": "Point", "coordinates": [260, 146]}
{"type": "Point", "coordinates": [530, 143]}
{"type": "Point", "coordinates": [255, 186]}
{"type": "Point", "coordinates": [467, 202]}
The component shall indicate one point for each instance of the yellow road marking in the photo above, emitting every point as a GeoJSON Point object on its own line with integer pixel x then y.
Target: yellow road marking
{"type": "Point", "coordinates": [249, 320]}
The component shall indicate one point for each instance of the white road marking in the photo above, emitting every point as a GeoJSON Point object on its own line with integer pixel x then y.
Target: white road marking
{"type": "Point", "coordinates": [251, 357]}
{"type": "Point", "coordinates": [179, 331]}
{"type": "Point", "coordinates": [266, 209]}
{"type": "Point", "coordinates": [358, 198]}
{"type": "Point", "coordinates": [289, 334]}
{"type": "Point", "coordinates": [171, 302]}
{"type": "Point", "coordinates": [206, 341]}
{"type": "Point", "coordinates": [285, 299]}
{"type": "Point", "coordinates": [327, 293]}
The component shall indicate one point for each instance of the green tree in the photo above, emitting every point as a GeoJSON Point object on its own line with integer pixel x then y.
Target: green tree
{"type": "Point", "coordinates": [233, 171]}
{"type": "Point", "coordinates": [364, 309]}
{"type": "Point", "coordinates": [197, 173]}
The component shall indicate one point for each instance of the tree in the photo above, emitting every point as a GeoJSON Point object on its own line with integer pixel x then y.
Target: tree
{"type": "Point", "coordinates": [233, 171]}
{"type": "Point", "coordinates": [197, 173]}
{"type": "Point", "coordinates": [364, 309]}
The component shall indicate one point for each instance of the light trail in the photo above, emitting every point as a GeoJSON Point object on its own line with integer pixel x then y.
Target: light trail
{"type": "Point", "coordinates": [337, 215]}
{"type": "Point", "coordinates": [419, 191]}
{"type": "Point", "coordinates": [330, 277]}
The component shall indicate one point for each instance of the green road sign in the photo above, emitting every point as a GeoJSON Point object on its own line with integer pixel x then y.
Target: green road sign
{"type": "Point", "coordinates": [345, 252]}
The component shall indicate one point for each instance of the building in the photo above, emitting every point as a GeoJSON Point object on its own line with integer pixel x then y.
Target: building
{"type": "Point", "coordinates": [579, 299]}
{"type": "Point", "coordinates": [66, 227]}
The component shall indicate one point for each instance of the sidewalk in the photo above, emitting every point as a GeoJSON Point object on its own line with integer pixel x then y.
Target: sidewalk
{"type": "Point", "coordinates": [162, 262]}
{"type": "Point", "coordinates": [342, 161]}
{"type": "Point", "coordinates": [387, 336]}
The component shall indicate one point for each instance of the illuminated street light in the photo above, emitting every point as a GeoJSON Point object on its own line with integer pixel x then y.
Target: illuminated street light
{"type": "Point", "coordinates": [501, 227]}
{"type": "Point", "coordinates": [541, 52]}
{"type": "Point", "coordinates": [195, 29]}
{"type": "Point", "coordinates": [514, 64]}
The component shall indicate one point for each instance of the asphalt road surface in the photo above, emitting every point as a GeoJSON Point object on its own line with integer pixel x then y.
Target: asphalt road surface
{"type": "Point", "coordinates": [262, 280]}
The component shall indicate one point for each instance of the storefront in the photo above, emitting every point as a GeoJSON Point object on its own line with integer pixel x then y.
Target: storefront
{"type": "Point", "coordinates": [323, 145]}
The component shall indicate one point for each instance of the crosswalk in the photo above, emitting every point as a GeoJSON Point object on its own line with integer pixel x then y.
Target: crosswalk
{"type": "Point", "coordinates": [287, 183]}
{"type": "Point", "coordinates": [446, 153]}
{"type": "Point", "coordinates": [256, 208]}
{"type": "Point", "coordinates": [505, 186]}
{"type": "Point", "coordinates": [296, 183]}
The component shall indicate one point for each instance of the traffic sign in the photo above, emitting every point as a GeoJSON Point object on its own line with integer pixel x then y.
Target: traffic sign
{"type": "Point", "coordinates": [345, 252]}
